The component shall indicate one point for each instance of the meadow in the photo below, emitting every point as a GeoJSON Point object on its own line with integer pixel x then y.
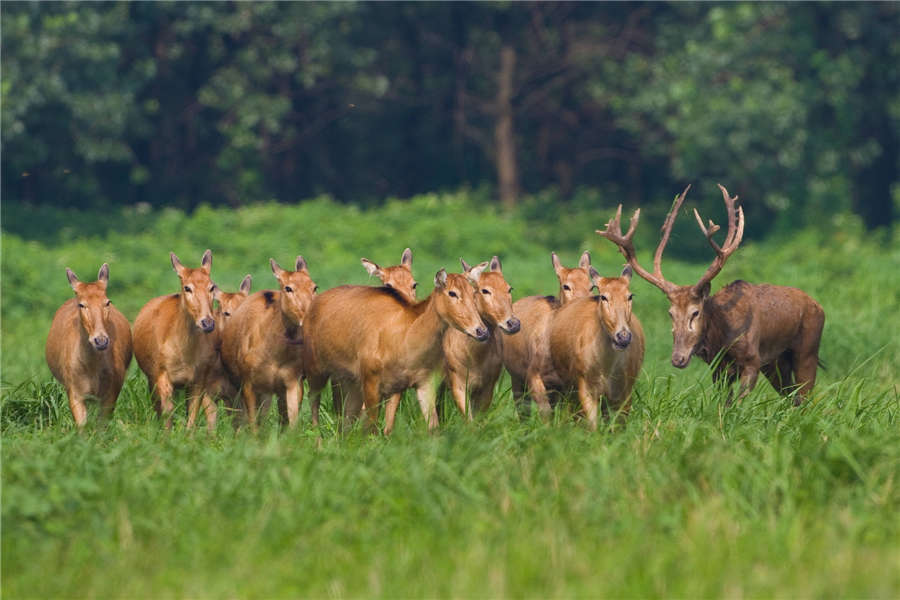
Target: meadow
{"type": "Point", "coordinates": [689, 498]}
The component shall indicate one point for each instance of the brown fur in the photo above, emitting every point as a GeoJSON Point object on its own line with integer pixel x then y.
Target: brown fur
{"type": "Point", "coordinates": [527, 355]}
{"type": "Point", "coordinates": [262, 345]}
{"type": "Point", "coordinates": [175, 344]}
{"type": "Point", "coordinates": [375, 344]}
{"type": "Point", "coordinates": [597, 346]}
{"type": "Point", "coordinates": [764, 328]}
{"type": "Point", "coordinates": [89, 346]}
{"type": "Point", "coordinates": [471, 368]}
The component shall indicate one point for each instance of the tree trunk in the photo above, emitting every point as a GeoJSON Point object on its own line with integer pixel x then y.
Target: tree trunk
{"type": "Point", "coordinates": [504, 134]}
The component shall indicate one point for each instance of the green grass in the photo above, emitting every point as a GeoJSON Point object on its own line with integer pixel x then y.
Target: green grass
{"type": "Point", "coordinates": [688, 499]}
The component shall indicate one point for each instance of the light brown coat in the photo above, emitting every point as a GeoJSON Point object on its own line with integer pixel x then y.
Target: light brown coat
{"type": "Point", "coordinates": [89, 346]}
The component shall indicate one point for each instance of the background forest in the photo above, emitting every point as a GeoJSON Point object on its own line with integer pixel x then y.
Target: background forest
{"type": "Point", "coordinates": [795, 107]}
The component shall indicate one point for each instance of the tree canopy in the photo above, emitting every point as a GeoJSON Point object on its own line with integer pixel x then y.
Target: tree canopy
{"type": "Point", "coordinates": [173, 103]}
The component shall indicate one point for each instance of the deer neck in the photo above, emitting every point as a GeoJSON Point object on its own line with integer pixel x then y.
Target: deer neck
{"type": "Point", "coordinates": [423, 340]}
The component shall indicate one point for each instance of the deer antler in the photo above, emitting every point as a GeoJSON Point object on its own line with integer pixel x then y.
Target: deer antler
{"type": "Point", "coordinates": [732, 239]}
{"type": "Point", "coordinates": [613, 233]}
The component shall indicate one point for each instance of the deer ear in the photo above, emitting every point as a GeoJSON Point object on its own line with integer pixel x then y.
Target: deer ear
{"type": "Point", "coordinates": [300, 264]}
{"type": "Point", "coordinates": [440, 279]}
{"type": "Point", "coordinates": [703, 292]}
{"type": "Point", "coordinates": [103, 274]}
{"type": "Point", "coordinates": [206, 261]}
{"type": "Point", "coordinates": [473, 274]}
{"type": "Point", "coordinates": [557, 266]}
{"type": "Point", "coordinates": [73, 279]}
{"type": "Point", "coordinates": [372, 268]}
{"type": "Point", "coordinates": [585, 261]}
{"type": "Point", "coordinates": [595, 276]}
{"type": "Point", "coordinates": [277, 270]}
{"type": "Point", "coordinates": [176, 264]}
{"type": "Point", "coordinates": [627, 272]}
{"type": "Point", "coordinates": [406, 258]}
{"type": "Point", "coordinates": [245, 285]}
{"type": "Point", "coordinates": [465, 266]}
{"type": "Point", "coordinates": [496, 267]}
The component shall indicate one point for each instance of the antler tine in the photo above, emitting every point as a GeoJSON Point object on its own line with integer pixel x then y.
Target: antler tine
{"type": "Point", "coordinates": [732, 238]}
{"type": "Point", "coordinates": [666, 231]}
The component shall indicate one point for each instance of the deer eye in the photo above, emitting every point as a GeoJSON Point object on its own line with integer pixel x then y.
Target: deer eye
{"type": "Point", "coordinates": [212, 288]}
{"type": "Point", "coordinates": [80, 305]}
{"type": "Point", "coordinates": [315, 289]}
{"type": "Point", "coordinates": [510, 290]}
{"type": "Point", "coordinates": [108, 302]}
{"type": "Point", "coordinates": [486, 292]}
{"type": "Point", "coordinates": [604, 298]}
{"type": "Point", "coordinates": [630, 296]}
{"type": "Point", "coordinates": [227, 314]}
{"type": "Point", "coordinates": [452, 294]}
{"type": "Point", "coordinates": [388, 285]}
{"type": "Point", "coordinates": [289, 289]}
{"type": "Point", "coordinates": [566, 287]}
{"type": "Point", "coordinates": [415, 285]}
{"type": "Point", "coordinates": [695, 314]}
{"type": "Point", "coordinates": [187, 289]}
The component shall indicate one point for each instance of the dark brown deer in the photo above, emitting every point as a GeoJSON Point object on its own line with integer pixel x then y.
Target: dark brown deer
{"type": "Point", "coordinates": [768, 328]}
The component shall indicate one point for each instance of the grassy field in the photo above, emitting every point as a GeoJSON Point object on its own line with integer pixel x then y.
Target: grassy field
{"type": "Point", "coordinates": [688, 499]}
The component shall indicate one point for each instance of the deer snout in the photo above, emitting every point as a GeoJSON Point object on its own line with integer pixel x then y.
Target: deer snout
{"type": "Point", "coordinates": [680, 361]}
{"type": "Point", "coordinates": [622, 339]}
{"type": "Point", "coordinates": [481, 333]}
{"type": "Point", "coordinates": [100, 342]}
{"type": "Point", "coordinates": [207, 324]}
{"type": "Point", "coordinates": [512, 325]}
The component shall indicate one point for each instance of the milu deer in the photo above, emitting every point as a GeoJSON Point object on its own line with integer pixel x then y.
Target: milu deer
{"type": "Point", "coordinates": [597, 346]}
{"type": "Point", "coordinates": [527, 355]}
{"type": "Point", "coordinates": [471, 368]}
{"type": "Point", "coordinates": [768, 328]}
{"type": "Point", "coordinates": [375, 343]}
{"type": "Point", "coordinates": [175, 346]}
{"type": "Point", "coordinates": [228, 303]}
{"type": "Point", "coordinates": [89, 346]}
{"type": "Point", "coordinates": [261, 347]}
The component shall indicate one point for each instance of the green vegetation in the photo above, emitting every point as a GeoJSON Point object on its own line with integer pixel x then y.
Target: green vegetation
{"type": "Point", "coordinates": [690, 498]}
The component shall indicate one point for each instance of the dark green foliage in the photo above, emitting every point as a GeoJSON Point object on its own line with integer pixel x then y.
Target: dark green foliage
{"type": "Point", "coordinates": [181, 104]}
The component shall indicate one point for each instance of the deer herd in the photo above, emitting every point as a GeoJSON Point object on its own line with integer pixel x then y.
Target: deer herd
{"type": "Point", "coordinates": [373, 343]}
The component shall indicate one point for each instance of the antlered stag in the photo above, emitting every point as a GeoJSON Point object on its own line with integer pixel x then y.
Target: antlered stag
{"type": "Point", "coordinates": [261, 346]}
{"type": "Point", "coordinates": [175, 346]}
{"type": "Point", "coordinates": [597, 346]}
{"type": "Point", "coordinates": [375, 343]}
{"type": "Point", "coordinates": [471, 367]}
{"type": "Point", "coordinates": [527, 355]}
{"type": "Point", "coordinates": [89, 346]}
{"type": "Point", "coordinates": [768, 328]}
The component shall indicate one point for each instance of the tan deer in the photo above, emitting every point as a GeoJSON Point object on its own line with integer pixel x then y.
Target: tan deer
{"type": "Point", "coordinates": [597, 346]}
{"type": "Point", "coordinates": [768, 328]}
{"type": "Point", "coordinates": [261, 347]}
{"type": "Point", "coordinates": [400, 278]}
{"type": "Point", "coordinates": [175, 346]}
{"type": "Point", "coordinates": [527, 355]}
{"type": "Point", "coordinates": [89, 346]}
{"type": "Point", "coordinates": [471, 368]}
{"type": "Point", "coordinates": [228, 302]}
{"type": "Point", "coordinates": [375, 343]}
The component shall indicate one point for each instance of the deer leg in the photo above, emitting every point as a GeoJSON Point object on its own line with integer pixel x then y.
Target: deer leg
{"type": "Point", "coordinates": [778, 372]}
{"type": "Point", "coordinates": [76, 404]}
{"type": "Point", "coordinates": [371, 399]}
{"type": "Point", "coordinates": [539, 394]}
{"type": "Point", "coordinates": [749, 374]}
{"type": "Point", "coordinates": [425, 394]}
{"type": "Point", "coordinates": [458, 390]}
{"type": "Point", "coordinates": [483, 397]}
{"type": "Point", "coordinates": [728, 373]}
{"type": "Point", "coordinates": [315, 397]}
{"type": "Point", "coordinates": [193, 405]}
{"type": "Point", "coordinates": [250, 404]}
{"type": "Point", "coordinates": [390, 413]}
{"type": "Point", "coordinates": [210, 409]}
{"type": "Point", "coordinates": [523, 406]}
{"type": "Point", "coordinates": [806, 354]}
{"type": "Point", "coordinates": [289, 403]}
{"type": "Point", "coordinates": [163, 390]}
{"type": "Point", "coordinates": [805, 375]}
{"type": "Point", "coordinates": [109, 394]}
{"type": "Point", "coordinates": [588, 403]}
